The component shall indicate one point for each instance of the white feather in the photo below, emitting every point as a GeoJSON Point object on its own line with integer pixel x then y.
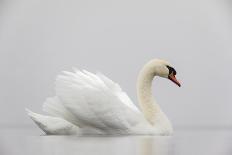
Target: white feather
{"type": "Point", "coordinates": [54, 107]}
{"type": "Point", "coordinates": [97, 102]}
{"type": "Point", "coordinates": [53, 125]}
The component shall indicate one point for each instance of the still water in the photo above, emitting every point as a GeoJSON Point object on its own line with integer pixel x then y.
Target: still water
{"type": "Point", "coordinates": [27, 141]}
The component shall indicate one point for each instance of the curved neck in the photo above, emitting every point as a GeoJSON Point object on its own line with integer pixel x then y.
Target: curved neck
{"type": "Point", "coordinates": [144, 92]}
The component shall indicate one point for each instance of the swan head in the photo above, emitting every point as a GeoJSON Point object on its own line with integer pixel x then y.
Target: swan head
{"type": "Point", "coordinates": [163, 69]}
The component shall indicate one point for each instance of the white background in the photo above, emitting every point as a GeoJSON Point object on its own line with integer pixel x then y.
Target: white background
{"type": "Point", "coordinates": [38, 39]}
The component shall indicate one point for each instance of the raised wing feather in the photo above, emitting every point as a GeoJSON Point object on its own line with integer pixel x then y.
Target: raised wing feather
{"type": "Point", "coordinates": [54, 107]}
{"type": "Point", "coordinates": [118, 91]}
{"type": "Point", "coordinates": [96, 101]}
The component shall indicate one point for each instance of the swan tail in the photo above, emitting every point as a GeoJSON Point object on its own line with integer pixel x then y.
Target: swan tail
{"type": "Point", "coordinates": [53, 125]}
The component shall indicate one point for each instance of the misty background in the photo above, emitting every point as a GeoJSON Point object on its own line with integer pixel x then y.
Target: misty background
{"type": "Point", "coordinates": [39, 39]}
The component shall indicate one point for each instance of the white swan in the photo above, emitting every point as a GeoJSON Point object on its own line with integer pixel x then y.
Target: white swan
{"type": "Point", "coordinates": [87, 103]}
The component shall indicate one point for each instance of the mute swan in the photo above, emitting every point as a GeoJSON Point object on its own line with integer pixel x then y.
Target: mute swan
{"type": "Point", "coordinates": [87, 103]}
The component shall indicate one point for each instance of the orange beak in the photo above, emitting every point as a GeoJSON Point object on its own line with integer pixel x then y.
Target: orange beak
{"type": "Point", "coordinates": [173, 79]}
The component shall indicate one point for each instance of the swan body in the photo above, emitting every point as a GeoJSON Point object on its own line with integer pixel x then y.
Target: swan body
{"type": "Point", "coordinates": [87, 103]}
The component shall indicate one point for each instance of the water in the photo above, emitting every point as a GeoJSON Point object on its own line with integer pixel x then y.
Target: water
{"type": "Point", "coordinates": [23, 141]}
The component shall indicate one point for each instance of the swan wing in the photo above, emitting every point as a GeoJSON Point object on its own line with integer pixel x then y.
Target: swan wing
{"type": "Point", "coordinates": [96, 101]}
{"type": "Point", "coordinates": [54, 107]}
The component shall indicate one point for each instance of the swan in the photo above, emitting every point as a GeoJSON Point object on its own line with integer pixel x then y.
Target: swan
{"type": "Point", "coordinates": [87, 103]}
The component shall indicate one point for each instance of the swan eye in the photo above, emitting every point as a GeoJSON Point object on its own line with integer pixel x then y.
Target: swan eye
{"type": "Point", "coordinates": [171, 70]}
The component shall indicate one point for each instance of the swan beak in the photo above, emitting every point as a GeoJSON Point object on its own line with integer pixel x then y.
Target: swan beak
{"type": "Point", "coordinates": [173, 79]}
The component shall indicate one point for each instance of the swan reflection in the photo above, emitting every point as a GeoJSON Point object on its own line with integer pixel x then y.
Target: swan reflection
{"type": "Point", "coordinates": [155, 146]}
{"type": "Point", "coordinates": [131, 145]}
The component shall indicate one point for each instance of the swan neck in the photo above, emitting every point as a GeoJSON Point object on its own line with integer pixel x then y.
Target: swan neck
{"type": "Point", "coordinates": [145, 96]}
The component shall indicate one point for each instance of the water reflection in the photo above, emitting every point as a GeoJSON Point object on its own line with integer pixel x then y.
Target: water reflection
{"type": "Point", "coordinates": [183, 143]}
{"type": "Point", "coordinates": [146, 146]}
{"type": "Point", "coordinates": [136, 145]}
{"type": "Point", "coordinates": [156, 145]}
